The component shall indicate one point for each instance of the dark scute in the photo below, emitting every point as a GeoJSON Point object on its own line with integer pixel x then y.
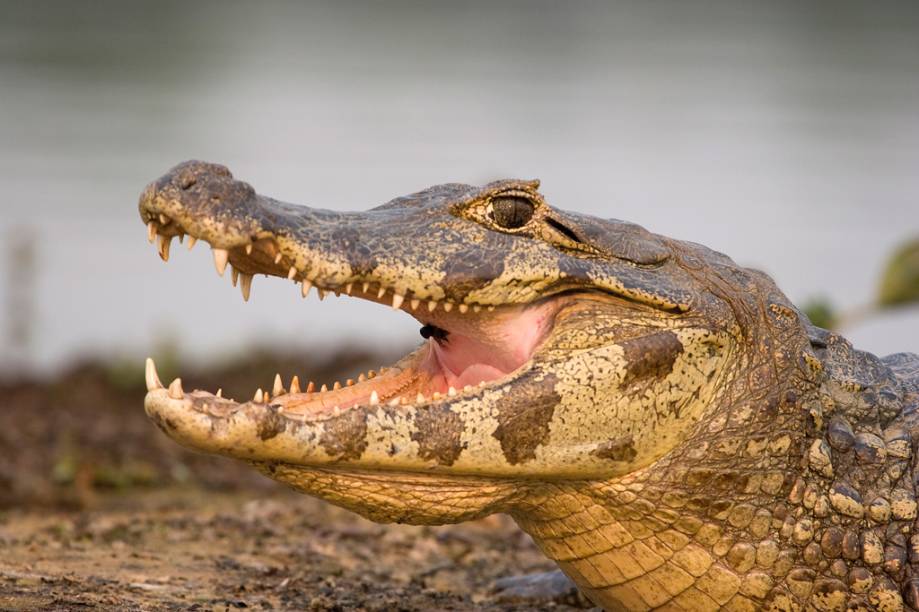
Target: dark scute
{"type": "Point", "coordinates": [617, 238]}
{"type": "Point", "coordinates": [651, 356]}
{"type": "Point", "coordinates": [438, 433]}
{"type": "Point", "coordinates": [345, 436]}
{"type": "Point", "coordinates": [512, 212]}
{"type": "Point", "coordinates": [523, 418]}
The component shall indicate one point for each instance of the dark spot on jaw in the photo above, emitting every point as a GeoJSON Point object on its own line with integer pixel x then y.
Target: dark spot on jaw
{"type": "Point", "coordinates": [652, 355]}
{"type": "Point", "coordinates": [524, 417]}
{"type": "Point", "coordinates": [164, 423]}
{"type": "Point", "coordinates": [620, 449]}
{"type": "Point", "coordinates": [437, 432]}
{"type": "Point", "coordinates": [345, 436]}
{"type": "Point", "coordinates": [271, 424]}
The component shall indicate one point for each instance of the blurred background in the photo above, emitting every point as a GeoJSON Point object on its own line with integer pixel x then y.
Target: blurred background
{"type": "Point", "coordinates": [785, 134]}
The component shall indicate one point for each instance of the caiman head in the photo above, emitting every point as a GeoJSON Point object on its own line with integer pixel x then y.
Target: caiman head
{"type": "Point", "coordinates": [558, 346]}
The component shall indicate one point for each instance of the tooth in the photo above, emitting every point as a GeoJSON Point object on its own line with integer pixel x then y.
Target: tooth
{"type": "Point", "coordinates": [259, 397]}
{"type": "Point", "coordinates": [221, 257]}
{"type": "Point", "coordinates": [278, 258]}
{"type": "Point", "coordinates": [323, 388]}
{"type": "Point", "coordinates": [336, 386]}
{"type": "Point", "coordinates": [336, 411]}
{"type": "Point", "coordinates": [448, 306]}
{"type": "Point", "coordinates": [419, 398]}
{"type": "Point", "coordinates": [267, 396]}
{"type": "Point", "coordinates": [451, 391]}
{"type": "Point", "coordinates": [374, 398]}
{"type": "Point", "coordinates": [245, 284]}
{"type": "Point", "coordinates": [463, 308]}
{"type": "Point", "coordinates": [219, 393]}
{"type": "Point", "coordinates": [164, 244]}
{"type": "Point", "coordinates": [336, 292]}
{"type": "Point", "coordinates": [181, 238]}
{"type": "Point", "coordinates": [364, 287]}
{"type": "Point", "coordinates": [278, 386]}
{"type": "Point", "coordinates": [280, 409]}
{"type": "Point", "coordinates": [432, 305]}
{"type": "Point", "coordinates": [311, 387]}
{"type": "Point", "coordinates": [164, 220]}
{"type": "Point", "coordinates": [348, 288]}
{"type": "Point", "coordinates": [415, 303]}
{"type": "Point", "coordinates": [467, 388]}
{"type": "Point", "coordinates": [295, 384]}
{"type": "Point", "coordinates": [234, 276]}
{"type": "Point", "coordinates": [394, 401]}
{"type": "Point", "coordinates": [175, 389]}
{"type": "Point", "coordinates": [404, 401]}
{"type": "Point", "coordinates": [291, 273]}
{"type": "Point", "coordinates": [437, 395]}
{"type": "Point", "coordinates": [192, 241]}
{"type": "Point", "coordinates": [381, 292]}
{"type": "Point", "coordinates": [249, 249]}
{"type": "Point", "coordinates": [397, 301]}
{"type": "Point", "coordinates": [322, 293]}
{"type": "Point", "coordinates": [491, 309]}
{"type": "Point", "coordinates": [153, 381]}
{"type": "Point", "coordinates": [305, 287]}
{"type": "Point", "coordinates": [361, 378]}
{"type": "Point", "coordinates": [349, 382]}
{"type": "Point", "coordinates": [477, 308]}
{"type": "Point", "coordinates": [151, 232]}
{"type": "Point", "coordinates": [371, 374]}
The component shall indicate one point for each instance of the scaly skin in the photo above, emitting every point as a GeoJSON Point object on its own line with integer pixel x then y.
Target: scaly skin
{"type": "Point", "coordinates": [679, 438]}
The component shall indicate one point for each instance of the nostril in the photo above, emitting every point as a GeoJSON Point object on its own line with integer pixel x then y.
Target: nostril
{"type": "Point", "coordinates": [187, 180]}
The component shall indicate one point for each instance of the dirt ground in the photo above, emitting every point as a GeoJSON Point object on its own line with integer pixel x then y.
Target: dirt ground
{"type": "Point", "coordinates": [99, 510]}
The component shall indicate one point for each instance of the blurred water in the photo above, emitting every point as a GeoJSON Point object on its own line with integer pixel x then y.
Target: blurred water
{"type": "Point", "coordinates": [784, 134]}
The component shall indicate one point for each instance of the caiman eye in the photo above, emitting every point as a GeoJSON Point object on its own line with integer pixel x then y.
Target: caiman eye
{"type": "Point", "coordinates": [511, 212]}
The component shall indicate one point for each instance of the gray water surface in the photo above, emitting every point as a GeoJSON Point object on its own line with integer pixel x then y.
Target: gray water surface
{"type": "Point", "coordinates": [784, 134]}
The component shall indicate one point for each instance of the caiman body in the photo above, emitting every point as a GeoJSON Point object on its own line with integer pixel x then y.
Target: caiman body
{"type": "Point", "coordinates": [664, 423]}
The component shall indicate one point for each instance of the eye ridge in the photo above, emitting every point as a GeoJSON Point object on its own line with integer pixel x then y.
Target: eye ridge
{"type": "Point", "coordinates": [511, 211]}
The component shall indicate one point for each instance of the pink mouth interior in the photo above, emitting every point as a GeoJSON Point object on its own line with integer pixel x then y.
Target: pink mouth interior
{"type": "Point", "coordinates": [478, 348]}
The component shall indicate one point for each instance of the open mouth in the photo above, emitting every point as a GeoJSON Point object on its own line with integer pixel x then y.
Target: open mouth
{"type": "Point", "coordinates": [465, 346]}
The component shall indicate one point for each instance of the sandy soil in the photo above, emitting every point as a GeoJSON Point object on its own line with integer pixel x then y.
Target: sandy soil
{"type": "Point", "coordinates": [99, 510]}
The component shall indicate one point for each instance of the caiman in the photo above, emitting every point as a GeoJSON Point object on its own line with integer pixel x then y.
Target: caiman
{"type": "Point", "coordinates": [664, 423]}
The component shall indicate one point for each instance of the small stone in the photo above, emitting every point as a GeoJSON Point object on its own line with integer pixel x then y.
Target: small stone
{"type": "Point", "coordinates": [869, 448]}
{"type": "Point", "coordinates": [803, 532]}
{"type": "Point", "coordinates": [846, 500]}
{"type": "Point", "coordinates": [872, 548]}
{"type": "Point", "coordinates": [894, 559]}
{"type": "Point", "coordinates": [851, 546]}
{"type": "Point", "coordinates": [831, 542]}
{"type": "Point", "coordinates": [820, 459]}
{"type": "Point", "coordinates": [860, 580]}
{"type": "Point", "coordinates": [898, 442]}
{"type": "Point", "coordinates": [839, 434]}
{"type": "Point", "coordinates": [902, 505]}
{"type": "Point", "coordinates": [879, 510]}
{"type": "Point", "coordinates": [766, 553]}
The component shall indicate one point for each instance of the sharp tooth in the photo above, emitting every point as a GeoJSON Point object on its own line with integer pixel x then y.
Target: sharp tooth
{"type": "Point", "coordinates": [164, 220]}
{"type": "Point", "coordinates": [397, 301]}
{"type": "Point", "coordinates": [181, 238]}
{"type": "Point", "coordinates": [491, 309]}
{"type": "Point", "coordinates": [463, 308]}
{"type": "Point", "coordinates": [336, 386]}
{"type": "Point", "coordinates": [336, 292]}
{"type": "Point", "coordinates": [153, 380]}
{"type": "Point", "coordinates": [295, 385]}
{"type": "Point", "coordinates": [477, 308]}
{"type": "Point", "coordinates": [291, 273]}
{"type": "Point", "coordinates": [249, 249]}
{"type": "Point", "coordinates": [305, 287]}
{"type": "Point", "coordinates": [371, 374]}
{"type": "Point", "coordinates": [404, 401]}
{"type": "Point", "coordinates": [361, 377]}
{"type": "Point", "coordinates": [437, 395]}
{"type": "Point", "coordinates": [348, 288]}
{"type": "Point", "coordinates": [192, 241]}
{"type": "Point", "coordinates": [394, 401]}
{"type": "Point", "coordinates": [151, 232]}
{"type": "Point", "coordinates": [164, 244]}
{"type": "Point", "coordinates": [221, 257]}
{"type": "Point", "coordinates": [245, 285]}
{"type": "Point", "coordinates": [219, 393]}
{"type": "Point", "coordinates": [234, 276]}
{"type": "Point", "coordinates": [322, 293]}
{"type": "Point", "coordinates": [278, 386]}
{"type": "Point", "coordinates": [175, 389]}
{"type": "Point", "coordinates": [414, 303]}
{"type": "Point", "coordinates": [336, 411]}
{"type": "Point", "coordinates": [432, 305]}
{"type": "Point", "coordinates": [467, 388]}
{"type": "Point", "coordinates": [374, 398]}
{"type": "Point", "coordinates": [311, 387]}
{"type": "Point", "coordinates": [278, 258]}
{"type": "Point", "coordinates": [419, 398]}
{"type": "Point", "coordinates": [448, 306]}
{"type": "Point", "coordinates": [381, 292]}
{"type": "Point", "coordinates": [267, 396]}
{"type": "Point", "coordinates": [323, 388]}
{"type": "Point", "coordinates": [349, 382]}
{"type": "Point", "coordinates": [451, 391]}
{"type": "Point", "coordinates": [259, 397]}
{"type": "Point", "coordinates": [365, 286]}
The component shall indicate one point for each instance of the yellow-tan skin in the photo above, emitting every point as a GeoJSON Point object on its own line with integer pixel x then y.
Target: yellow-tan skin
{"type": "Point", "coordinates": [671, 444]}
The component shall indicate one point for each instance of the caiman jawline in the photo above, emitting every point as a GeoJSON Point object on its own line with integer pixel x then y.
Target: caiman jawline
{"type": "Point", "coordinates": [484, 343]}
